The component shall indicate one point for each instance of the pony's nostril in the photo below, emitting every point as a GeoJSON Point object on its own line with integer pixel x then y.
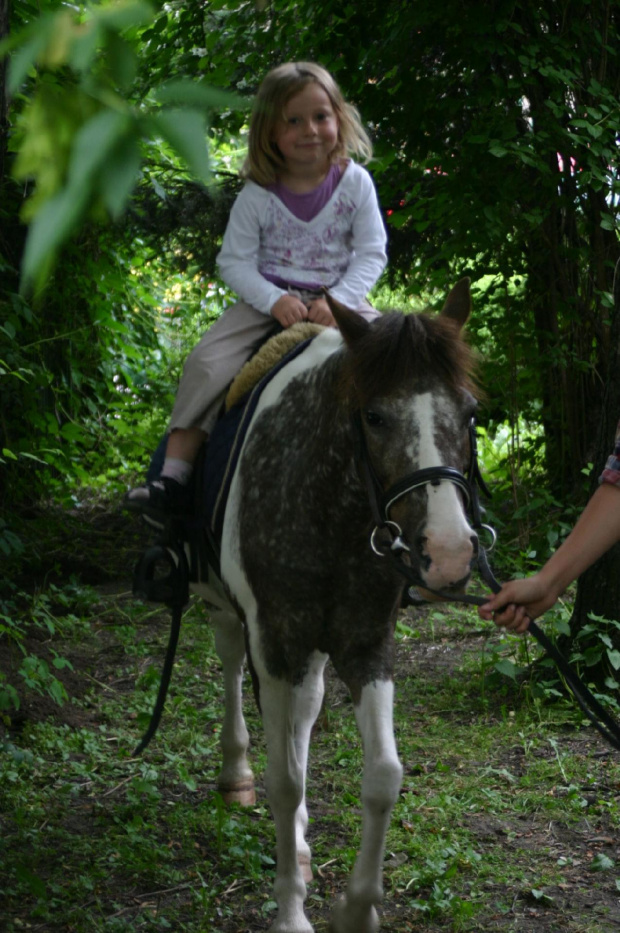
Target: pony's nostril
{"type": "Point", "coordinates": [421, 545]}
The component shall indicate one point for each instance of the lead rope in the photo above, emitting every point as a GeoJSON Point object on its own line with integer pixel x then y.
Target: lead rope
{"type": "Point", "coordinates": [590, 706]}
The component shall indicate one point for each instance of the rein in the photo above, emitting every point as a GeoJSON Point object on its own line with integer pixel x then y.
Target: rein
{"type": "Point", "coordinates": [469, 484]}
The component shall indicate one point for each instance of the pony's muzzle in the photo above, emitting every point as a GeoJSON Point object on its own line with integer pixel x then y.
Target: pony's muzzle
{"type": "Point", "coordinates": [446, 560]}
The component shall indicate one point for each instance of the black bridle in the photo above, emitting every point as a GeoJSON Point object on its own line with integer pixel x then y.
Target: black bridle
{"type": "Point", "coordinates": [381, 501]}
{"type": "Point", "coordinates": [469, 483]}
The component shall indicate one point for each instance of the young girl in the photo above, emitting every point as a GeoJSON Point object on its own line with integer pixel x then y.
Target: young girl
{"type": "Point", "coordinates": [307, 219]}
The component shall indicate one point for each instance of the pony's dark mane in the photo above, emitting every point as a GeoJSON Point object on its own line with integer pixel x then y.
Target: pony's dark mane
{"type": "Point", "coordinates": [400, 347]}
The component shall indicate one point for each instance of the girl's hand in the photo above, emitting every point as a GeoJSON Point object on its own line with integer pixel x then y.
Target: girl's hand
{"type": "Point", "coordinates": [319, 313]}
{"type": "Point", "coordinates": [289, 310]}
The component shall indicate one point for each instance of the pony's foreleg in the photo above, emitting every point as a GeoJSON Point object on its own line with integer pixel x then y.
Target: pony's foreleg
{"type": "Point", "coordinates": [356, 912]}
{"type": "Point", "coordinates": [288, 715]}
{"type": "Point", "coordinates": [235, 781]}
{"type": "Point", "coordinates": [307, 700]}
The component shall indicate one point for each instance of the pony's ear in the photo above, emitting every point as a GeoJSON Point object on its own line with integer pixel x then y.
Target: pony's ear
{"type": "Point", "coordinates": [352, 325]}
{"type": "Point", "coordinates": [458, 303]}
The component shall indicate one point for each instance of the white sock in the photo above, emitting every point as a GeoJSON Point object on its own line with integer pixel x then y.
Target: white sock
{"type": "Point", "coordinates": [180, 470]}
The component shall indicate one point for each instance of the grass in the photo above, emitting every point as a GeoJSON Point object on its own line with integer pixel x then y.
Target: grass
{"type": "Point", "coordinates": [508, 814]}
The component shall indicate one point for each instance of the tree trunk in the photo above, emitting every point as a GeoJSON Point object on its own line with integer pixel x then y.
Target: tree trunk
{"type": "Point", "coordinates": [598, 590]}
{"type": "Point", "coordinates": [5, 11]}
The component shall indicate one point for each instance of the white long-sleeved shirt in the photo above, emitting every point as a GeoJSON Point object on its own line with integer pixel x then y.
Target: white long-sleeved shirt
{"type": "Point", "coordinates": [342, 248]}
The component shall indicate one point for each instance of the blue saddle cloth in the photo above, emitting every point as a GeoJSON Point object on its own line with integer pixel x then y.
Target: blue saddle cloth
{"type": "Point", "coordinates": [215, 468]}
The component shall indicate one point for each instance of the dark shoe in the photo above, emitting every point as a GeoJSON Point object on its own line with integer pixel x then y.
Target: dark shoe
{"type": "Point", "coordinates": [160, 499]}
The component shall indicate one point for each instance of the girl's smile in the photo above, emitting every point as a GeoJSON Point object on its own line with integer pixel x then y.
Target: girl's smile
{"type": "Point", "coordinates": [307, 134]}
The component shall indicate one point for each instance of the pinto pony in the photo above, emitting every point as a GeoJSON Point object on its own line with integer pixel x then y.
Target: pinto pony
{"type": "Point", "coordinates": [301, 583]}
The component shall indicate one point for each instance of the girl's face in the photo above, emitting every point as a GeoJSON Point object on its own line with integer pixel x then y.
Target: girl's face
{"type": "Point", "coordinates": [307, 133]}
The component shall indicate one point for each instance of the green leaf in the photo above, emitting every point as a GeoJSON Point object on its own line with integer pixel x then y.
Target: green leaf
{"type": "Point", "coordinates": [562, 627]}
{"type": "Point", "coordinates": [541, 897]}
{"type": "Point", "coordinates": [125, 14]}
{"type": "Point", "coordinates": [84, 47]}
{"type": "Point", "coordinates": [185, 131]}
{"type": "Point", "coordinates": [93, 143]}
{"type": "Point", "coordinates": [34, 883]}
{"type": "Point", "coordinates": [51, 226]}
{"type": "Point", "coordinates": [122, 61]}
{"type": "Point", "coordinates": [25, 57]}
{"type": "Point", "coordinates": [614, 658]}
{"type": "Point", "coordinates": [119, 175]}
{"type": "Point", "coordinates": [506, 667]}
{"type": "Point", "coordinates": [601, 862]}
{"type": "Point", "coordinates": [59, 216]}
{"type": "Point", "coordinates": [199, 94]}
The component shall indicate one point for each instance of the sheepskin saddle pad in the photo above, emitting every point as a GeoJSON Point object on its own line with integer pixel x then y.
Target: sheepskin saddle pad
{"type": "Point", "coordinates": [267, 358]}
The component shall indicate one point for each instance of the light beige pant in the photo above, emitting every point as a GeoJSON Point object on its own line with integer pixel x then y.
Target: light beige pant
{"type": "Point", "coordinates": [217, 358]}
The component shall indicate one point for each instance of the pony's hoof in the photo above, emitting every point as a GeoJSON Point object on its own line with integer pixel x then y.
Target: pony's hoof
{"type": "Point", "coordinates": [299, 924]}
{"type": "Point", "coordinates": [306, 869]}
{"type": "Point", "coordinates": [341, 920]}
{"type": "Point", "coordinates": [241, 793]}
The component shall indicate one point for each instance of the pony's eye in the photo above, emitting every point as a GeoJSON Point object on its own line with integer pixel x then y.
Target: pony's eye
{"type": "Point", "coordinates": [373, 419]}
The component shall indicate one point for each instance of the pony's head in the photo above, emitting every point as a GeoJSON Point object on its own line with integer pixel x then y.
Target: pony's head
{"type": "Point", "coordinates": [410, 378]}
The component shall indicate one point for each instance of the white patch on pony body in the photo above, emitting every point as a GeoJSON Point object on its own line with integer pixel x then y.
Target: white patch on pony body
{"type": "Point", "coordinates": [448, 536]}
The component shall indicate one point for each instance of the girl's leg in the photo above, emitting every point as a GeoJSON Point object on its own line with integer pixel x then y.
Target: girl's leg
{"type": "Point", "coordinates": [208, 371]}
{"type": "Point", "coordinates": [184, 444]}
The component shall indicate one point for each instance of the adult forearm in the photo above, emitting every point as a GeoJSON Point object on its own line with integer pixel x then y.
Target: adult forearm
{"type": "Point", "coordinates": [596, 531]}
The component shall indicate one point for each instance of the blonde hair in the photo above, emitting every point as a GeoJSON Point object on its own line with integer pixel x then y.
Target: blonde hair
{"type": "Point", "coordinates": [264, 162]}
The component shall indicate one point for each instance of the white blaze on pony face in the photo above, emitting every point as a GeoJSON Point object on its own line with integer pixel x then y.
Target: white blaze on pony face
{"type": "Point", "coordinates": [447, 538]}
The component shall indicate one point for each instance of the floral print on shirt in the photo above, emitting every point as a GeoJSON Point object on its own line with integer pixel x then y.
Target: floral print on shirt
{"type": "Point", "coordinates": [323, 252]}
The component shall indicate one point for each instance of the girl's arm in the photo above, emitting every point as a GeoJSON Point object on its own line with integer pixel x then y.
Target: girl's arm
{"type": "Point", "coordinates": [238, 257]}
{"type": "Point", "coordinates": [596, 531]}
{"type": "Point", "coordinates": [368, 242]}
